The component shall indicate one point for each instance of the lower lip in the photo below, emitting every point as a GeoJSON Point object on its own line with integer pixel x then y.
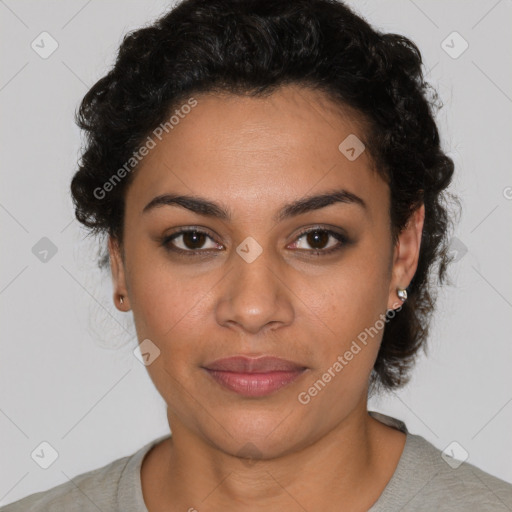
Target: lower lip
{"type": "Point", "coordinates": [254, 384]}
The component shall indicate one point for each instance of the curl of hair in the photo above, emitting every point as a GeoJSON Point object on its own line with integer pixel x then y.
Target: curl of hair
{"type": "Point", "coordinates": [252, 47]}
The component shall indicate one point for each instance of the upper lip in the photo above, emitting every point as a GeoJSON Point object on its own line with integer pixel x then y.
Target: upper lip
{"type": "Point", "coordinates": [244, 364]}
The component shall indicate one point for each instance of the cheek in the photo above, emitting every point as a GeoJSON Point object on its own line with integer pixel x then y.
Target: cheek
{"type": "Point", "coordinates": [352, 318]}
{"type": "Point", "coordinates": [160, 295]}
{"type": "Point", "coordinates": [168, 309]}
{"type": "Point", "coordinates": [351, 305]}
{"type": "Point", "coordinates": [346, 354]}
{"type": "Point", "coordinates": [165, 305]}
{"type": "Point", "coordinates": [355, 293]}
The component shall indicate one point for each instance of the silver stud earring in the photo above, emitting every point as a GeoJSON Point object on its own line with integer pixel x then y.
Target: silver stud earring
{"type": "Point", "coordinates": [402, 294]}
{"type": "Point", "coordinates": [121, 299]}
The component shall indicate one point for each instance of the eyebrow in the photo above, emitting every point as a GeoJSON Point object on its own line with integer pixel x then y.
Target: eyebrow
{"type": "Point", "coordinates": [208, 208]}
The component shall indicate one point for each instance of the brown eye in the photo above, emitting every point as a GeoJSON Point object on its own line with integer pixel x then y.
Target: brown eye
{"type": "Point", "coordinates": [193, 239]}
{"type": "Point", "coordinates": [189, 241]}
{"type": "Point", "coordinates": [192, 242]}
{"type": "Point", "coordinates": [318, 239]}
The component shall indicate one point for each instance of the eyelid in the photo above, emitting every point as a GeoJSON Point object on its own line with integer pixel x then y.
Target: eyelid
{"type": "Point", "coordinates": [165, 240]}
{"type": "Point", "coordinates": [340, 236]}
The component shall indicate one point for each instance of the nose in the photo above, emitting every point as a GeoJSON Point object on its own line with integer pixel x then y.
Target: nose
{"type": "Point", "coordinates": [254, 296]}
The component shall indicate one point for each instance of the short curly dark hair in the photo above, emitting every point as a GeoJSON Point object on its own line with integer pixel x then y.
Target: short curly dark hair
{"type": "Point", "coordinates": [253, 47]}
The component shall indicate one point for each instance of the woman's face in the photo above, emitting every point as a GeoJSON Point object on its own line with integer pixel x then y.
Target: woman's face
{"type": "Point", "coordinates": [257, 288]}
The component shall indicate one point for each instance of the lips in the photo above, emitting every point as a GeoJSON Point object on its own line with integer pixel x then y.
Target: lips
{"type": "Point", "coordinates": [254, 377]}
{"type": "Point", "coordinates": [242, 364]}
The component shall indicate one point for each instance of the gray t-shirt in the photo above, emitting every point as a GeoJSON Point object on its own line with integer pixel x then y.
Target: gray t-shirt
{"type": "Point", "coordinates": [422, 481]}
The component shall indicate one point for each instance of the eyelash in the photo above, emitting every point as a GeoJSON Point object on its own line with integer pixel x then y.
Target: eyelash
{"type": "Point", "coordinates": [342, 239]}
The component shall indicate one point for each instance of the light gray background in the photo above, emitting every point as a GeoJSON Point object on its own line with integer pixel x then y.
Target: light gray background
{"type": "Point", "coordinates": [67, 375]}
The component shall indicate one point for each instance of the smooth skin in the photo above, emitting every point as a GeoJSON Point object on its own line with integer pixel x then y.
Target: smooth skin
{"type": "Point", "coordinates": [252, 156]}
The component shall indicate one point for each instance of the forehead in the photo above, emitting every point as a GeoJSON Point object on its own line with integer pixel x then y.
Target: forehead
{"type": "Point", "coordinates": [258, 150]}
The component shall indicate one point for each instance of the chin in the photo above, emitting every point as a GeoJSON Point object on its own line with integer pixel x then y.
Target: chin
{"type": "Point", "coordinates": [256, 434]}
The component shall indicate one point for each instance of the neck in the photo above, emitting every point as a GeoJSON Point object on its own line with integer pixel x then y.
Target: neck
{"type": "Point", "coordinates": [350, 464]}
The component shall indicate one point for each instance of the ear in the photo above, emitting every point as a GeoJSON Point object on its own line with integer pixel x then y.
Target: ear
{"type": "Point", "coordinates": [118, 275]}
{"type": "Point", "coordinates": [406, 255]}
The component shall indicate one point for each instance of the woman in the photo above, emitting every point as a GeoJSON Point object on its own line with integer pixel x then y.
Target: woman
{"type": "Point", "coordinates": [270, 179]}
